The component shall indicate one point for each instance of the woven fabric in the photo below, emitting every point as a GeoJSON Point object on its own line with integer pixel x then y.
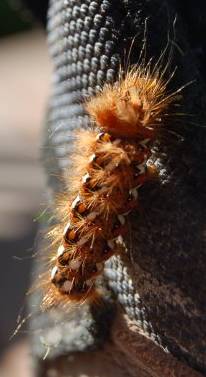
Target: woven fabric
{"type": "Point", "coordinates": [160, 282]}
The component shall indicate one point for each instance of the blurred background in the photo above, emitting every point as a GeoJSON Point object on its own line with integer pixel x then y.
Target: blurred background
{"type": "Point", "coordinates": [25, 72]}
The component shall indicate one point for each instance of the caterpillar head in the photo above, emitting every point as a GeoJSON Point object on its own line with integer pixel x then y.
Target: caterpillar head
{"type": "Point", "coordinates": [133, 107]}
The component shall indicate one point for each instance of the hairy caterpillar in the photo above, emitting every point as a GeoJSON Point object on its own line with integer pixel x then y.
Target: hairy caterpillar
{"type": "Point", "coordinates": [109, 166]}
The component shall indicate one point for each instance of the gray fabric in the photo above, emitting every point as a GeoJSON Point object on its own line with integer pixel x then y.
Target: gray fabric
{"type": "Point", "coordinates": [161, 282]}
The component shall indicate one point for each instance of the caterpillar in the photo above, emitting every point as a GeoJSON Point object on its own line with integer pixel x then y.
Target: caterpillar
{"type": "Point", "coordinates": [110, 165]}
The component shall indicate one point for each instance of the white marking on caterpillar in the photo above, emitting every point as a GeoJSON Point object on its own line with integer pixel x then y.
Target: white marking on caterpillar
{"type": "Point", "coordinates": [60, 251]}
{"type": "Point", "coordinates": [75, 264]}
{"type": "Point", "coordinates": [86, 178]}
{"type": "Point", "coordinates": [121, 219]}
{"type": "Point", "coordinates": [92, 158]}
{"type": "Point", "coordinates": [54, 272]}
{"type": "Point", "coordinates": [67, 227]}
{"type": "Point", "coordinates": [76, 202]}
{"type": "Point", "coordinates": [82, 241]}
{"type": "Point", "coordinates": [111, 166]}
{"type": "Point", "coordinates": [92, 216]}
{"type": "Point", "coordinates": [67, 286]}
{"type": "Point", "coordinates": [117, 141]}
{"type": "Point", "coordinates": [141, 168]}
{"type": "Point", "coordinates": [89, 283]}
{"type": "Point", "coordinates": [99, 136]}
{"type": "Point", "coordinates": [134, 192]}
{"type": "Point", "coordinates": [110, 243]}
{"type": "Point", "coordinates": [119, 240]}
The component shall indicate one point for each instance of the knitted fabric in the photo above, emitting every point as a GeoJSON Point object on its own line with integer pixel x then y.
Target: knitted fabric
{"type": "Point", "coordinates": [161, 282]}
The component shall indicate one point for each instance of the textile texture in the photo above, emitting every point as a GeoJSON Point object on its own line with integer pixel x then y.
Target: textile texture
{"type": "Point", "coordinates": [161, 282]}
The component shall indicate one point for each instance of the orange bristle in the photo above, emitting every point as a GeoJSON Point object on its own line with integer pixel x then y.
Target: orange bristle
{"type": "Point", "coordinates": [132, 105]}
{"type": "Point", "coordinates": [109, 167]}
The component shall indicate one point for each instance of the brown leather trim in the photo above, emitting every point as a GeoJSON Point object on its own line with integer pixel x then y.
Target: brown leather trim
{"type": "Point", "coordinates": [143, 356]}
